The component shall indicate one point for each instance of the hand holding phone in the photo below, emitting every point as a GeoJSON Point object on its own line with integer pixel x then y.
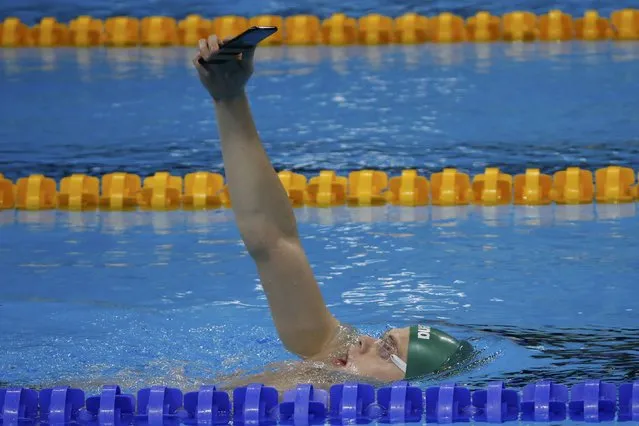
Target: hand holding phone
{"type": "Point", "coordinates": [244, 42]}
{"type": "Point", "coordinates": [230, 82]}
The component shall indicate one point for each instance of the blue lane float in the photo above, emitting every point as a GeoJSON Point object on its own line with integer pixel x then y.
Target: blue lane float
{"type": "Point", "coordinates": [544, 401]}
{"type": "Point", "coordinates": [60, 405]}
{"type": "Point", "coordinates": [304, 406]}
{"type": "Point", "coordinates": [592, 401]}
{"type": "Point", "coordinates": [352, 403]}
{"type": "Point", "coordinates": [401, 403]}
{"type": "Point", "coordinates": [110, 407]}
{"type": "Point", "coordinates": [207, 406]}
{"type": "Point", "coordinates": [18, 405]}
{"type": "Point", "coordinates": [159, 405]}
{"type": "Point", "coordinates": [629, 402]}
{"type": "Point", "coordinates": [496, 404]}
{"type": "Point", "coordinates": [448, 403]}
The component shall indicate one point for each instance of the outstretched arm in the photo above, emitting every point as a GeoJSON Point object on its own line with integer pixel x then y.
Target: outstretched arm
{"type": "Point", "coordinates": [263, 212]}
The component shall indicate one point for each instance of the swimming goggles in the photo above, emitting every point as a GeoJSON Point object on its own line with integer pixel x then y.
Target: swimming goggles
{"type": "Point", "coordinates": [388, 352]}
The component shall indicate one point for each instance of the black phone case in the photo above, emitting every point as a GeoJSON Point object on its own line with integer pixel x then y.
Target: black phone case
{"type": "Point", "coordinates": [249, 39]}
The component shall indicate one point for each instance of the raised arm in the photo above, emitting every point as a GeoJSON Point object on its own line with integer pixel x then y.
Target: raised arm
{"type": "Point", "coordinates": [263, 212]}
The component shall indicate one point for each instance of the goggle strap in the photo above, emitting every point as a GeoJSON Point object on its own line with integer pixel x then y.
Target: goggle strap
{"type": "Point", "coordinates": [398, 362]}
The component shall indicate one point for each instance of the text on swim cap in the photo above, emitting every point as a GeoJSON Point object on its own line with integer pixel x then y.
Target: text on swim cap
{"type": "Point", "coordinates": [423, 332]}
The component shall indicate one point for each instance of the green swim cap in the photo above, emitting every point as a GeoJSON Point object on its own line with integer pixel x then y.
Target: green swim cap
{"type": "Point", "coordinates": [430, 350]}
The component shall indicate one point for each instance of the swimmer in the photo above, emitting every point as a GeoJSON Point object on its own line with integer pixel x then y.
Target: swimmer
{"type": "Point", "coordinates": [268, 228]}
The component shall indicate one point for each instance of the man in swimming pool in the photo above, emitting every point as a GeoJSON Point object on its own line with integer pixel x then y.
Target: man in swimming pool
{"type": "Point", "coordinates": [267, 224]}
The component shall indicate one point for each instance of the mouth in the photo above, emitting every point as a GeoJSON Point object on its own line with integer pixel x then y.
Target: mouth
{"type": "Point", "coordinates": [341, 361]}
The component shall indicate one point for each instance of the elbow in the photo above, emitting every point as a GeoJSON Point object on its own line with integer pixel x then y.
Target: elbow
{"type": "Point", "coordinates": [306, 343]}
{"type": "Point", "coordinates": [261, 238]}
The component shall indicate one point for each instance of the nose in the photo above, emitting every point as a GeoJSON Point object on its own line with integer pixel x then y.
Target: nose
{"type": "Point", "coordinates": [364, 343]}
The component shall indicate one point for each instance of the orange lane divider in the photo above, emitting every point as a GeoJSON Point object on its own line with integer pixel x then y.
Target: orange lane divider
{"type": "Point", "coordinates": [193, 28]}
{"type": "Point", "coordinates": [161, 192]}
{"type": "Point", "coordinates": [327, 189]}
{"type": "Point", "coordinates": [201, 190]}
{"type": "Point", "coordinates": [519, 26]}
{"type": "Point", "coordinates": [225, 197]}
{"type": "Point", "coordinates": [492, 188]}
{"type": "Point", "coordinates": [339, 30]}
{"type": "Point", "coordinates": [483, 27]}
{"type": "Point", "coordinates": [14, 33]}
{"type": "Point", "coordinates": [411, 28]}
{"type": "Point", "coordinates": [36, 192]}
{"type": "Point", "coordinates": [375, 29]}
{"type": "Point", "coordinates": [592, 27]}
{"type": "Point", "coordinates": [302, 30]}
{"type": "Point", "coordinates": [7, 193]}
{"type": "Point", "coordinates": [79, 192]}
{"type": "Point", "coordinates": [625, 24]}
{"type": "Point", "coordinates": [573, 186]}
{"type": "Point", "coordinates": [447, 28]}
{"type": "Point", "coordinates": [532, 188]}
{"type": "Point", "coordinates": [207, 190]}
{"type": "Point", "coordinates": [614, 185]}
{"type": "Point", "coordinates": [295, 186]}
{"type": "Point", "coordinates": [450, 188]}
{"type": "Point", "coordinates": [365, 188]}
{"type": "Point", "coordinates": [120, 191]}
{"type": "Point", "coordinates": [409, 189]}
{"type": "Point", "coordinates": [158, 31]}
{"type": "Point", "coordinates": [84, 31]}
{"type": "Point", "coordinates": [229, 26]}
{"type": "Point", "coordinates": [121, 31]}
{"type": "Point", "coordinates": [50, 33]}
{"type": "Point", "coordinates": [556, 26]}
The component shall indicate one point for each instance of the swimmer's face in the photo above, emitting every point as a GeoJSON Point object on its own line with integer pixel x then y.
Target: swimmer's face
{"type": "Point", "coordinates": [369, 356]}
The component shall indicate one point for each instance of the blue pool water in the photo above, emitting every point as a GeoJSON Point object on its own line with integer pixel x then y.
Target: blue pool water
{"type": "Point", "coordinates": [173, 298]}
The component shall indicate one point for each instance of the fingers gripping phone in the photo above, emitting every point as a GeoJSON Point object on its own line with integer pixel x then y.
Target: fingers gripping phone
{"type": "Point", "coordinates": [249, 39]}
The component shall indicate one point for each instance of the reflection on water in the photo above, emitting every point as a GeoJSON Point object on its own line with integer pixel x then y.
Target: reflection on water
{"type": "Point", "coordinates": [483, 57]}
{"type": "Point", "coordinates": [44, 219]}
{"type": "Point", "coordinates": [269, 54]}
{"type": "Point", "coordinates": [532, 216]}
{"type": "Point", "coordinates": [572, 355]}
{"type": "Point", "coordinates": [374, 56]}
{"type": "Point", "coordinates": [83, 58]}
{"type": "Point", "coordinates": [163, 222]}
{"type": "Point", "coordinates": [157, 59]}
{"type": "Point", "coordinates": [450, 216]}
{"type": "Point", "coordinates": [48, 56]}
{"type": "Point", "coordinates": [449, 54]}
{"type": "Point", "coordinates": [615, 211]}
{"type": "Point", "coordinates": [10, 62]}
{"type": "Point", "coordinates": [570, 213]}
{"type": "Point", "coordinates": [124, 61]}
{"type": "Point", "coordinates": [520, 52]}
{"type": "Point", "coordinates": [339, 58]}
{"type": "Point", "coordinates": [625, 52]}
{"type": "Point", "coordinates": [304, 55]}
{"type": "Point", "coordinates": [553, 51]}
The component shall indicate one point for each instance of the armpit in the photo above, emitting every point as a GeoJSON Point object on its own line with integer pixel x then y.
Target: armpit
{"type": "Point", "coordinates": [345, 336]}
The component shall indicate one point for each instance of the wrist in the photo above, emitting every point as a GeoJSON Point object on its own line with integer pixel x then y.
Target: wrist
{"type": "Point", "coordinates": [229, 100]}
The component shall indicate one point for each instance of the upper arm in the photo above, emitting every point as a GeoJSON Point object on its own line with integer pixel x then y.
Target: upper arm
{"type": "Point", "coordinates": [301, 317]}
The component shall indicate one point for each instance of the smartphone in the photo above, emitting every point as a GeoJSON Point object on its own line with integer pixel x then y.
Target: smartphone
{"type": "Point", "coordinates": [247, 40]}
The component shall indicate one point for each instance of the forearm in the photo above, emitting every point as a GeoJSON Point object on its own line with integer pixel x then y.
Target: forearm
{"type": "Point", "coordinates": [260, 203]}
